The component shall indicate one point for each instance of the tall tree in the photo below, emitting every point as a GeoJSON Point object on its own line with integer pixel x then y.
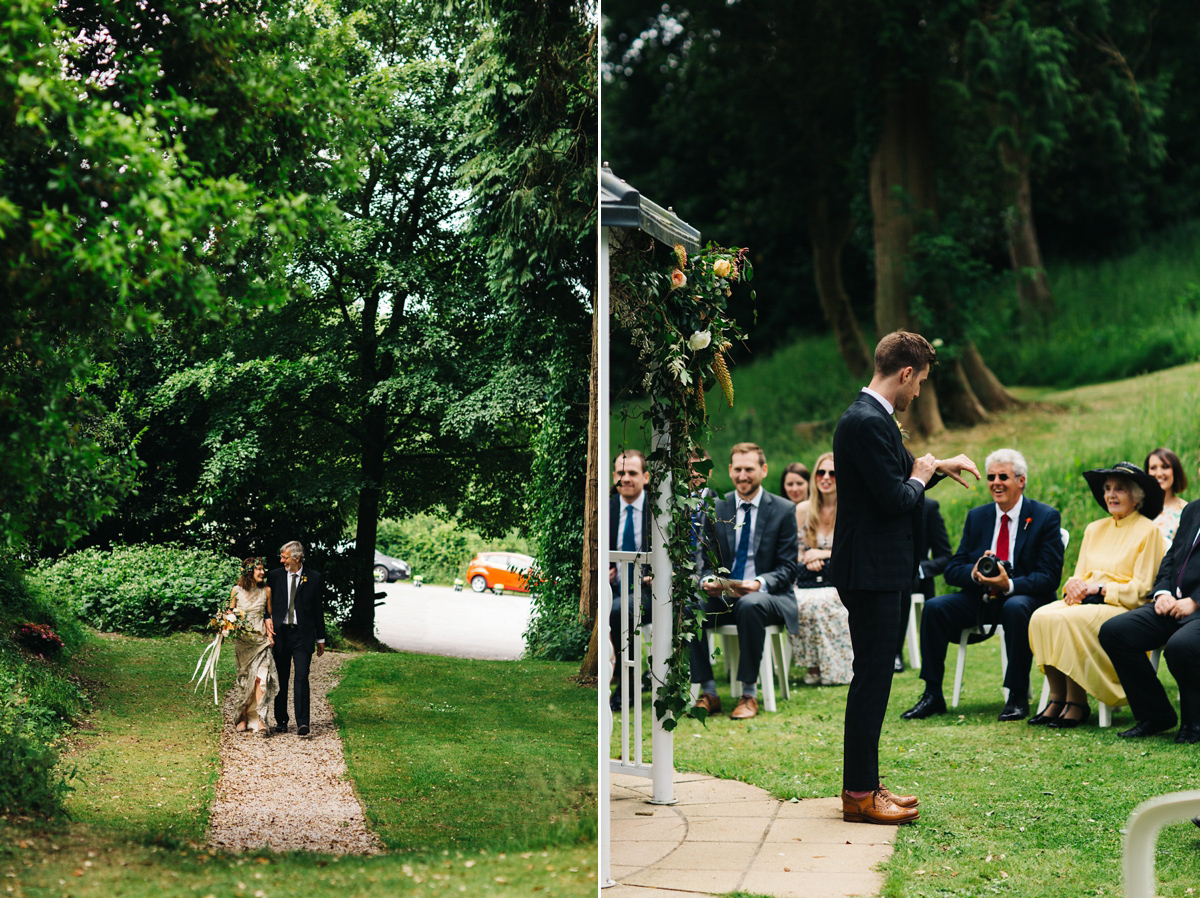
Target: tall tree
{"type": "Point", "coordinates": [114, 211]}
{"type": "Point", "coordinates": [532, 175]}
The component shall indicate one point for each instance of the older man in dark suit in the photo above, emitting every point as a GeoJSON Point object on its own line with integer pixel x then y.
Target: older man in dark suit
{"type": "Point", "coordinates": [754, 536]}
{"type": "Point", "coordinates": [1172, 620]}
{"type": "Point", "coordinates": [298, 622]}
{"type": "Point", "coordinates": [1025, 534]}
{"type": "Point", "coordinates": [881, 490]}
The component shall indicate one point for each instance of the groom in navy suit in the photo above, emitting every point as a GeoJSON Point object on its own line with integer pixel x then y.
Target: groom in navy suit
{"type": "Point", "coordinates": [1026, 534]}
{"type": "Point", "coordinates": [298, 620]}
{"type": "Point", "coordinates": [881, 493]}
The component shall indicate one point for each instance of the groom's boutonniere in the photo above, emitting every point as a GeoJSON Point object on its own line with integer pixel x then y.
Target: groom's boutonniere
{"type": "Point", "coordinates": [900, 427]}
{"type": "Point", "coordinates": [1027, 520]}
{"type": "Point", "coordinates": [303, 580]}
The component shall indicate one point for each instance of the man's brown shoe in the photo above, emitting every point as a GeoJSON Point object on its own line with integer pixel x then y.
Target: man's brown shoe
{"type": "Point", "coordinates": [709, 702]}
{"type": "Point", "coordinates": [875, 808]}
{"type": "Point", "coordinates": [747, 707]}
{"type": "Point", "coordinates": [905, 801]}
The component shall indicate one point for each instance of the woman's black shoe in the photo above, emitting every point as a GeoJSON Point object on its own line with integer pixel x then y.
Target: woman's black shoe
{"type": "Point", "coordinates": [1040, 719]}
{"type": "Point", "coordinates": [1069, 723]}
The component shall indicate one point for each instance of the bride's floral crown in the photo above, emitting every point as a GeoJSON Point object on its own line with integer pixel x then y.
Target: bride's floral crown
{"type": "Point", "coordinates": [250, 564]}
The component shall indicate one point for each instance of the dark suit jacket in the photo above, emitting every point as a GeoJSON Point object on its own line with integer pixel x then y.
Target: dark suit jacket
{"type": "Point", "coordinates": [616, 520]}
{"type": "Point", "coordinates": [933, 548]}
{"type": "Point", "coordinates": [310, 601]}
{"type": "Point", "coordinates": [879, 506]}
{"type": "Point", "coordinates": [776, 546]}
{"type": "Point", "coordinates": [1037, 560]}
{"type": "Point", "coordinates": [1173, 561]}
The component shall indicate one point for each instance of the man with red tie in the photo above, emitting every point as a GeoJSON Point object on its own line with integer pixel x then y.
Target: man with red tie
{"type": "Point", "coordinates": [1026, 537]}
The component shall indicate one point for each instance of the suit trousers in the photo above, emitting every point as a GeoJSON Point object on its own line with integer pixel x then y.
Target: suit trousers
{"type": "Point", "coordinates": [874, 629]}
{"type": "Point", "coordinates": [752, 614]}
{"type": "Point", "coordinates": [292, 650]}
{"type": "Point", "coordinates": [944, 619]}
{"type": "Point", "coordinates": [1129, 636]}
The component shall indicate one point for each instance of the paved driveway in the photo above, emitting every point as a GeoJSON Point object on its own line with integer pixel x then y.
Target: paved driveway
{"type": "Point", "coordinates": [436, 620]}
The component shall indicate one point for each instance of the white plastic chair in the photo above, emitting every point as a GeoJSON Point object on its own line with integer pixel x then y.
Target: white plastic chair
{"type": "Point", "coordinates": [1141, 834]}
{"type": "Point", "coordinates": [913, 634]}
{"type": "Point", "coordinates": [776, 661]}
{"type": "Point", "coordinates": [970, 631]}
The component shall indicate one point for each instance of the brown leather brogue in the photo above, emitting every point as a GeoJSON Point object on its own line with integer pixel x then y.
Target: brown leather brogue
{"type": "Point", "coordinates": [747, 707]}
{"type": "Point", "coordinates": [905, 801]}
{"type": "Point", "coordinates": [876, 808]}
{"type": "Point", "coordinates": [709, 702]}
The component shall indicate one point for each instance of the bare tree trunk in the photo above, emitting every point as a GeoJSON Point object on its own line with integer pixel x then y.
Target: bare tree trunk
{"type": "Point", "coordinates": [987, 386]}
{"type": "Point", "coordinates": [829, 236]}
{"type": "Point", "coordinates": [1033, 290]}
{"type": "Point", "coordinates": [589, 599]}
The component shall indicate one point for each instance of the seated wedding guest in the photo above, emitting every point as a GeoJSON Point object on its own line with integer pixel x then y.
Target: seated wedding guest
{"type": "Point", "coordinates": [699, 469]}
{"type": "Point", "coordinates": [1118, 560]}
{"type": "Point", "coordinates": [933, 550]}
{"type": "Point", "coordinates": [822, 645]}
{"type": "Point", "coordinates": [1170, 619]}
{"type": "Point", "coordinates": [753, 535]}
{"type": "Point", "coordinates": [1164, 466]}
{"type": "Point", "coordinates": [629, 526]}
{"type": "Point", "coordinates": [794, 483]}
{"type": "Point", "coordinates": [1025, 537]}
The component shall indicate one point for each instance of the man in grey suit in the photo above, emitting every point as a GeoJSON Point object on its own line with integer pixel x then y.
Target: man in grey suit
{"type": "Point", "coordinates": [753, 535]}
{"type": "Point", "coordinates": [881, 492]}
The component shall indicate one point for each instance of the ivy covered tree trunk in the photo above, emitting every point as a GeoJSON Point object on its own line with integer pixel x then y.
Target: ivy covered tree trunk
{"type": "Point", "coordinates": [1033, 290]}
{"type": "Point", "coordinates": [589, 590]}
{"type": "Point", "coordinates": [829, 233]}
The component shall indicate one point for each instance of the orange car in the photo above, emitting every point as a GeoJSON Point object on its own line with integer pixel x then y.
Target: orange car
{"type": "Point", "coordinates": [508, 571]}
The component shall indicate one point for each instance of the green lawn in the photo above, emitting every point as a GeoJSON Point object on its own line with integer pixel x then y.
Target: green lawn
{"type": "Point", "coordinates": [146, 763]}
{"type": "Point", "coordinates": [1005, 808]}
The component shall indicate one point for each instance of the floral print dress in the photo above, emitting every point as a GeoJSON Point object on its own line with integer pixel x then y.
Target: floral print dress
{"type": "Point", "coordinates": [824, 637]}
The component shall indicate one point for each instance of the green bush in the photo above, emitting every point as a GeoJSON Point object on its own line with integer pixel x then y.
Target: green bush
{"type": "Point", "coordinates": [38, 699]}
{"type": "Point", "coordinates": [142, 590]}
{"type": "Point", "coordinates": [438, 550]}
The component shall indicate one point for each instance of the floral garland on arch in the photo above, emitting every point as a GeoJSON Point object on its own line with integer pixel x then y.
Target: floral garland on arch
{"type": "Point", "coordinates": [682, 330]}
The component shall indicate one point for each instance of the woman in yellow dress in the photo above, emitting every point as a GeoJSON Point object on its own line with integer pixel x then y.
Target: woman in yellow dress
{"type": "Point", "coordinates": [1118, 561]}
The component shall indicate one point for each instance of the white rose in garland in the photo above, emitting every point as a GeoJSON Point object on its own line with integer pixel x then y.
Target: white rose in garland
{"type": "Point", "coordinates": [699, 340]}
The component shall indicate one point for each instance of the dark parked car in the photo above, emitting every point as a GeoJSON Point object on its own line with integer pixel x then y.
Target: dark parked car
{"type": "Point", "coordinates": [388, 569]}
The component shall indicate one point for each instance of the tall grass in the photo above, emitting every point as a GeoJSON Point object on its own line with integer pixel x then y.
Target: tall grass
{"type": "Point", "coordinates": [1115, 318]}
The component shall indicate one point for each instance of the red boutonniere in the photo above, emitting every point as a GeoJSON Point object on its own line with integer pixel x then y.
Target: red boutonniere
{"type": "Point", "coordinates": [1027, 520]}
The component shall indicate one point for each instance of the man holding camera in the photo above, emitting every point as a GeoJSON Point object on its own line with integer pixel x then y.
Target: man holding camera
{"type": "Point", "coordinates": [1008, 564]}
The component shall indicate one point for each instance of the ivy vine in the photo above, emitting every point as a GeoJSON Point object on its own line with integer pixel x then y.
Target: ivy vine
{"type": "Point", "coordinates": [682, 331]}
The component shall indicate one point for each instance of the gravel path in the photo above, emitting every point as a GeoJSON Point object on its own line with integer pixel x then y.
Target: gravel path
{"type": "Point", "coordinates": [287, 792]}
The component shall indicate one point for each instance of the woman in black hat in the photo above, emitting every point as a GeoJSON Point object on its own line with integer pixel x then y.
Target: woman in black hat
{"type": "Point", "coordinates": [1118, 561]}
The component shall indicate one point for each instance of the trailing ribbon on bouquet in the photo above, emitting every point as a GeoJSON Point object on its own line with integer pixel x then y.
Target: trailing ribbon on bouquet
{"type": "Point", "coordinates": [208, 660]}
{"type": "Point", "coordinates": [232, 623]}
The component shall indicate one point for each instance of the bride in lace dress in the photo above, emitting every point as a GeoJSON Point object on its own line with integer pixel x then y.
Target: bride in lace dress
{"type": "Point", "coordinates": [257, 680]}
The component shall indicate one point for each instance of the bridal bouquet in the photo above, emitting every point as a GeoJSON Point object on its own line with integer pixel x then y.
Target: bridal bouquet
{"type": "Point", "coordinates": [230, 623]}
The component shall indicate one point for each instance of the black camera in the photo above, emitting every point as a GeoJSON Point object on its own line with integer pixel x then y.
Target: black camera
{"type": "Point", "coordinates": [990, 565]}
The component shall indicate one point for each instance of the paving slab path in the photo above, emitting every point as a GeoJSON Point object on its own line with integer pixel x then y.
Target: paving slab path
{"type": "Point", "coordinates": [286, 792]}
{"type": "Point", "coordinates": [723, 836]}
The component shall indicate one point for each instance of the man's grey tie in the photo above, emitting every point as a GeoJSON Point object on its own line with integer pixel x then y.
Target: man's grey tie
{"type": "Point", "coordinates": [291, 615]}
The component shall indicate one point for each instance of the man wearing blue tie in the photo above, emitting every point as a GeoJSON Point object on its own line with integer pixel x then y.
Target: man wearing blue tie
{"type": "Point", "coordinates": [753, 535]}
{"type": "Point", "coordinates": [629, 525]}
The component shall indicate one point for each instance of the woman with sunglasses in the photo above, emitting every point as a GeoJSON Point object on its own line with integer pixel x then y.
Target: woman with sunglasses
{"type": "Point", "coordinates": [822, 645]}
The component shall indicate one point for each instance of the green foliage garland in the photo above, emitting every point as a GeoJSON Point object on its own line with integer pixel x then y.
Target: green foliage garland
{"type": "Point", "coordinates": [682, 331]}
